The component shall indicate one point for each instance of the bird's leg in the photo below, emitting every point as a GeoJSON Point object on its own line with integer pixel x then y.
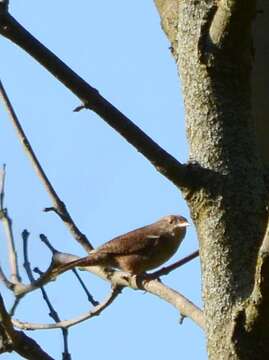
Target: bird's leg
{"type": "Point", "coordinates": [143, 278]}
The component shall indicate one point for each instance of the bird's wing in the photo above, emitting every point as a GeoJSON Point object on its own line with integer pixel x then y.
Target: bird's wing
{"type": "Point", "coordinates": [133, 242]}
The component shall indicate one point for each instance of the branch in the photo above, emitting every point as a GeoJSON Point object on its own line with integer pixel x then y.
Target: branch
{"type": "Point", "coordinates": [52, 312]}
{"type": "Point", "coordinates": [122, 279]}
{"type": "Point", "coordinates": [27, 265]}
{"type": "Point", "coordinates": [55, 252]}
{"type": "Point", "coordinates": [226, 28]}
{"type": "Point", "coordinates": [88, 294]}
{"type": "Point", "coordinates": [265, 243]}
{"type": "Point", "coordinates": [59, 205]}
{"type": "Point", "coordinates": [5, 281]}
{"type": "Point", "coordinates": [54, 315]}
{"type": "Point", "coordinates": [7, 223]}
{"type": "Point", "coordinates": [18, 341]}
{"type": "Point", "coordinates": [179, 301]}
{"type": "Point", "coordinates": [167, 269]}
{"type": "Point", "coordinates": [166, 164]}
{"type": "Point", "coordinates": [68, 323]}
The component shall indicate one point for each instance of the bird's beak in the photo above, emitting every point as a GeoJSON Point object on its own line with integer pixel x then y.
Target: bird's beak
{"type": "Point", "coordinates": [184, 224]}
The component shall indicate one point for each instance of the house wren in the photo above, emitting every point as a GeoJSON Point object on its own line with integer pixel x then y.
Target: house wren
{"type": "Point", "coordinates": [139, 250]}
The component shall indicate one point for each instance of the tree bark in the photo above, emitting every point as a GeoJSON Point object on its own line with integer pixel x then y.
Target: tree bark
{"type": "Point", "coordinates": [214, 56]}
{"type": "Point", "coordinates": [260, 78]}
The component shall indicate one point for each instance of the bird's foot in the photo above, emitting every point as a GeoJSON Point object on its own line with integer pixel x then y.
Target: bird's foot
{"type": "Point", "coordinates": [142, 279]}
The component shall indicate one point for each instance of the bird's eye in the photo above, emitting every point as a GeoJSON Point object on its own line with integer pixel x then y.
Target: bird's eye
{"type": "Point", "coordinates": [171, 219]}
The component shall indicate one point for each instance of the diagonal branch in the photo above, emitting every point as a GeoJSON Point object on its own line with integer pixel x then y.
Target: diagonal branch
{"type": "Point", "coordinates": [167, 269]}
{"type": "Point", "coordinates": [166, 164]}
{"type": "Point", "coordinates": [18, 341]}
{"type": "Point", "coordinates": [59, 205]}
{"type": "Point", "coordinates": [179, 301]}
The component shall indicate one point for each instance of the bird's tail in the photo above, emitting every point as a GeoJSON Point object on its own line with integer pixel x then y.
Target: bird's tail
{"type": "Point", "coordinates": [90, 260]}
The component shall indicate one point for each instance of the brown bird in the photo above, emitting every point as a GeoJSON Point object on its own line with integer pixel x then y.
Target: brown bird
{"type": "Point", "coordinates": [139, 250]}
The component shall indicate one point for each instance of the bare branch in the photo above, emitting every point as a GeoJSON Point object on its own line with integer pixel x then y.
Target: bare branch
{"type": "Point", "coordinates": [2, 186]}
{"type": "Point", "coordinates": [167, 269]}
{"type": "Point", "coordinates": [223, 31]}
{"type": "Point", "coordinates": [52, 312]}
{"type": "Point", "coordinates": [265, 243]}
{"type": "Point", "coordinates": [89, 295]}
{"type": "Point", "coordinates": [14, 306]}
{"type": "Point", "coordinates": [68, 323]}
{"type": "Point", "coordinates": [7, 224]}
{"type": "Point", "coordinates": [27, 266]}
{"type": "Point", "coordinates": [119, 278]}
{"type": "Point", "coordinates": [54, 315]}
{"type": "Point", "coordinates": [179, 301]}
{"type": "Point", "coordinates": [57, 202]}
{"type": "Point", "coordinates": [45, 241]}
{"type": "Point", "coordinates": [166, 164]}
{"type": "Point", "coordinates": [19, 342]}
{"type": "Point", "coordinates": [4, 279]}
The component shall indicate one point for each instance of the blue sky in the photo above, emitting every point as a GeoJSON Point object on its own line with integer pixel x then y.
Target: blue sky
{"type": "Point", "coordinates": [108, 187]}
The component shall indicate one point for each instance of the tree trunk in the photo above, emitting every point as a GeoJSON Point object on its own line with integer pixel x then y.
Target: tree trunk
{"type": "Point", "coordinates": [212, 45]}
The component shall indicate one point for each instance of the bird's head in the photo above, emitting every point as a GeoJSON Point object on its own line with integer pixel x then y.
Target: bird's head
{"type": "Point", "coordinates": [175, 223]}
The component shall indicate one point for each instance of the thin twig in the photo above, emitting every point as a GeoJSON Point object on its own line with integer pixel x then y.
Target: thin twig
{"type": "Point", "coordinates": [54, 315]}
{"type": "Point", "coordinates": [2, 186]}
{"type": "Point", "coordinates": [68, 323]}
{"type": "Point", "coordinates": [52, 312]}
{"type": "Point", "coordinates": [45, 241]}
{"type": "Point", "coordinates": [7, 224]}
{"type": "Point", "coordinates": [27, 265]}
{"type": "Point", "coordinates": [89, 295]}
{"type": "Point", "coordinates": [167, 269]}
{"type": "Point", "coordinates": [57, 202]}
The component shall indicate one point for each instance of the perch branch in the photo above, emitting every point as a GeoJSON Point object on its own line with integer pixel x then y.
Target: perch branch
{"type": "Point", "coordinates": [119, 278]}
{"type": "Point", "coordinates": [179, 301]}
